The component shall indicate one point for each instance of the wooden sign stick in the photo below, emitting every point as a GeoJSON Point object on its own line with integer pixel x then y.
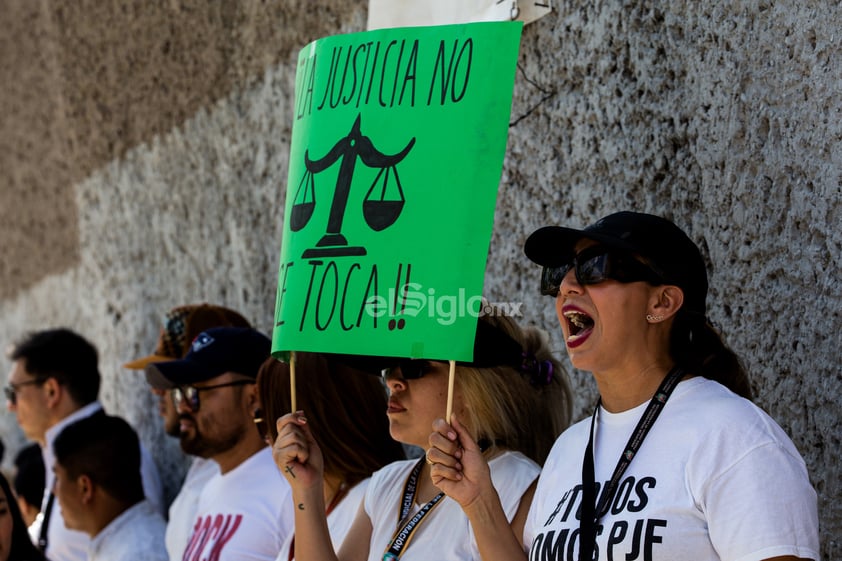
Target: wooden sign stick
{"type": "Point", "coordinates": [450, 382]}
{"type": "Point", "coordinates": [292, 380]}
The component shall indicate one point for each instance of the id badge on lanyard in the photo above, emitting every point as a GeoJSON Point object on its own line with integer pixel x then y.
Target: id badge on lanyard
{"type": "Point", "coordinates": [404, 532]}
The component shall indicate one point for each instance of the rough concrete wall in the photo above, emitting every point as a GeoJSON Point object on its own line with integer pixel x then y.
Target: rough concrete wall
{"type": "Point", "coordinates": [144, 165]}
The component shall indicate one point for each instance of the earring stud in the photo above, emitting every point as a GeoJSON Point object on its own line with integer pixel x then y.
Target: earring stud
{"type": "Point", "coordinates": [650, 317]}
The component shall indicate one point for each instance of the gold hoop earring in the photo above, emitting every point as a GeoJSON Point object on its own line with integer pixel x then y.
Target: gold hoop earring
{"type": "Point", "coordinates": [653, 319]}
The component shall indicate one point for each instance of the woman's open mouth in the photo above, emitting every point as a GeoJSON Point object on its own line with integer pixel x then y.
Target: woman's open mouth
{"type": "Point", "coordinates": [579, 327]}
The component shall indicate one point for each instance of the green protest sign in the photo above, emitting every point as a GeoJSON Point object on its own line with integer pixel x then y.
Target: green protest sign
{"type": "Point", "coordinates": [396, 154]}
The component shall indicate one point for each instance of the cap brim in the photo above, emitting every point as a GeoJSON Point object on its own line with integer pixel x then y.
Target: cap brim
{"type": "Point", "coordinates": [554, 246]}
{"type": "Point", "coordinates": [363, 363]}
{"type": "Point", "coordinates": [141, 363]}
{"type": "Point", "coordinates": [156, 379]}
{"type": "Point", "coordinates": [492, 347]}
{"type": "Point", "coordinates": [165, 375]}
{"type": "Point", "coordinates": [551, 246]}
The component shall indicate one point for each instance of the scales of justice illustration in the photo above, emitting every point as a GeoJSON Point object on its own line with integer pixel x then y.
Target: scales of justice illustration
{"type": "Point", "coordinates": [378, 211]}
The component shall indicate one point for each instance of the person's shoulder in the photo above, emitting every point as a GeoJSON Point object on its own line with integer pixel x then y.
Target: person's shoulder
{"type": "Point", "coordinates": [358, 490]}
{"type": "Point", "coordinates": [261, 460]}
{"type": "Point", "coordinates": [395, 470]}
{"type": "Point", "coordinates": [512, 468]}
{"type": "Point", "coordinates": [513, 461]}
{"type": "Point", "coordinates": [350, 503]}
{"type": "Point", "coordinates": [720, 405]}
{"type": "Point", "coordinates": [139, 529]}
{"type": "Point", "coordinates": [718, 412]}
{"type": "Point", "coordinates": [150, 520]}
{"type": "Point", "coordinates": [252, 473]}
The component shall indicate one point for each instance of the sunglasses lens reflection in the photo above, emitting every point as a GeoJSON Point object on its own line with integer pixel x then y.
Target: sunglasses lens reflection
{"type": "Point", "coordinates": [192, 397]}
{"type": "Point", "coordinates": [188, 394]}
{"type": "Point", "coordinates": [551, 278]}
{"type": "Point", "coordinates": [594, 269]}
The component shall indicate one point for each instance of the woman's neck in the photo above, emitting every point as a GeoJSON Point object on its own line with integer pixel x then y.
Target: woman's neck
{"type": "Point", "coordinates": [425, 491]}
{"type": "Point", "coordinates": [332, 487]}
{"type": "Point", "coordinates": [622, 390]}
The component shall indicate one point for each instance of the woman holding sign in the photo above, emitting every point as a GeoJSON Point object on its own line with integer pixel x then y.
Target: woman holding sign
{"type": "Point", "coordinates": [346, 409]}
{"type": "Point", "coordinates": [513, 399]}
{"type": "Point", "coordinates": [676, 462]}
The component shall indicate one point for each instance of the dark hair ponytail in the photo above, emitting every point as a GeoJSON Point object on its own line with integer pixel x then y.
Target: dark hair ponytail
{"type": "Point", "coordinates": [698, 347]}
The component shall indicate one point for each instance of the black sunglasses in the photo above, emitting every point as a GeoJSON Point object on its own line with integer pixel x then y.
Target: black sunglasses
{"type": "Point", "coordinates": [412, 369]}
{"type": "Point", "coordinates": [191, 393]}
{"type": "Point", "coordinates": [11, 390]}
{"type": "Point", "coordinates": [596, 264]}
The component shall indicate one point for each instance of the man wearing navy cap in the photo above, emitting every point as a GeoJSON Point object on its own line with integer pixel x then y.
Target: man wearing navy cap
{"type": "Point", "coordinates": [181, 325]}
{"type": "Point", "coordinates": [245, 512]}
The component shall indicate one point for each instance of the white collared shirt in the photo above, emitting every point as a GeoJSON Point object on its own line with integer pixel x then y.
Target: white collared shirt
{"type": "Point", "coordinates": [72, 545]}
{"type": "Point", "coordinates": [136, 535]}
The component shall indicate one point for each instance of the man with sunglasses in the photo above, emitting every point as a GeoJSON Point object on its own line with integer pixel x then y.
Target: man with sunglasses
{"type": "Point", "coordinates": [245, 511]}
{"type": "Point", "coordinates": [181, 325]}
{"type": "Point", "coordinates": [54, 382]}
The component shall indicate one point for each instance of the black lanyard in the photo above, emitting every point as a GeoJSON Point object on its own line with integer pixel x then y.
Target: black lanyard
{"type": "Point", "coordinates": [45, 523]}
{"type": "Point", "coordinates": [591, 511]}
{"type": "Point", "coordinates": [404, 533]}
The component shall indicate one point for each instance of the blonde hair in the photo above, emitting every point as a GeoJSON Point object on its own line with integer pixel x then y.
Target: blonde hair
{"type": "Point", "coordinates": [508, 407]}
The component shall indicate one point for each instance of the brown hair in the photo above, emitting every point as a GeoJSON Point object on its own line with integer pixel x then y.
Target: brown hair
{"type": "Point", "coordinates": [345, 408]}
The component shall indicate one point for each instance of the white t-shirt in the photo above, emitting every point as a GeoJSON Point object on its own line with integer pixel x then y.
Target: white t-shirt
{"type": "Point", "coordinates": [71, 545]}
{"type": "Point", "coordinates": [338, 521]}
{"type": "Point", "coordinates": [715, 479]}
{"type": "Point", "coordinates": [444, 533]}
{"type": "Point", "coordinates": [182, 511]}
{"type": "Point", "coordinates": [136, 535]}
{"type": "Point", "coordinates": [245, 514]}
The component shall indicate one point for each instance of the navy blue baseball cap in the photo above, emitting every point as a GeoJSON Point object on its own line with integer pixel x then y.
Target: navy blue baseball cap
{"type": "Point", "coordinates": [212, 353]}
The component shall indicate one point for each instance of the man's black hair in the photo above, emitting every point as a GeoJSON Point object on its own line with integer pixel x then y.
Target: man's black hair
{"type": "Point", "coordinates": [64, 355]}
{"type": "Point", "coordinates": [107, 450]}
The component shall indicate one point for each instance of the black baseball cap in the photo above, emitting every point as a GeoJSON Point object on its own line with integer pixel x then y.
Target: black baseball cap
{"type": "Point", "coordinates": [492, 347]}
{"type": "Point", "coordinates": [665, 247]}
{"type": "Point", "coordinates": [212, 353]}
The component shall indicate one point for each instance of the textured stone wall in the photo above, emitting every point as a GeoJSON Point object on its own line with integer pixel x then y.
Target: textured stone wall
{"type": "Point", "coordinates": [143, 158]}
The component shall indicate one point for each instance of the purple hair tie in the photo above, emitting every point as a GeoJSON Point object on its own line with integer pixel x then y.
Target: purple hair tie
{"type": "Point", "coordinates": [540, 372]}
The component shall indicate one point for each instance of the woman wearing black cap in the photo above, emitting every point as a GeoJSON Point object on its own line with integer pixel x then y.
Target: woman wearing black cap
{"type": "Point", "coordinates": [676, 463]}
{"type": "Point", "coordinates": [513, 398]}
